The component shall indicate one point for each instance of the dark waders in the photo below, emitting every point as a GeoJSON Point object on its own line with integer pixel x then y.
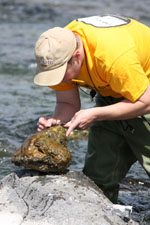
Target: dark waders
{"type": "Point", "coordinates": [113, 147]}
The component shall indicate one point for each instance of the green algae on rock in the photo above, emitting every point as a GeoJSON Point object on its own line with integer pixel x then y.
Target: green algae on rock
{"type": "Point", "coordinates": [78, 134]}
{"type": "Point", "coordinates": [44, 151]}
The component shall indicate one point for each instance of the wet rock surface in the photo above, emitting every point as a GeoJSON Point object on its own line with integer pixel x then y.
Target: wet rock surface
{"type": "Point", "coordinates": [29, 197]}
{"type": "Point", "coordinates": [44, 151]}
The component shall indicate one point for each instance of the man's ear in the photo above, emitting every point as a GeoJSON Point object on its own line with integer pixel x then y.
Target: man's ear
{"type": "Point", "coordinates": [77, 53]}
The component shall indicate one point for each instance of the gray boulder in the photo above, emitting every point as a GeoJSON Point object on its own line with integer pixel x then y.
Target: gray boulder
{"type": "Point", "coordinates": [32, 198]}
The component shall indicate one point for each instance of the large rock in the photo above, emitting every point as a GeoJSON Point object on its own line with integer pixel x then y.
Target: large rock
{"type": "Point", "coordinates": [47, 151]}
{"type": "Point", "coordinates": [30, 198]}
{"type": "Point", "coordinates": [44, 151]}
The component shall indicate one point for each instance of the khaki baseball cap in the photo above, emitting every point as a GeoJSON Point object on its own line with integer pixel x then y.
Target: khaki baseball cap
{"type": "Point", "coordinates": [53, 50]}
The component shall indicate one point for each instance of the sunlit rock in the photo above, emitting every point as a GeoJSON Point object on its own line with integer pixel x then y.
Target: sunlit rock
{"type": "Point", "coordinates": [31, 198]}
{"type": "Point", "coordinates": [44, 151]}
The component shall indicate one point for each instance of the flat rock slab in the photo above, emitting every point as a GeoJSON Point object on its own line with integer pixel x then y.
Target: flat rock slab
{"type": "Point", "coordinates": [31, 198]}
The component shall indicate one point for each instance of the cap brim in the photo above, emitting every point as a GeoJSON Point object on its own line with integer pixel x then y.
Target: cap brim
{"type": "Point", "coordinates": [50, 77]}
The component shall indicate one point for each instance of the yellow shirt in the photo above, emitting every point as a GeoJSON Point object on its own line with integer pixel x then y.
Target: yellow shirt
{"type": "Point", "coordinates": [117, 61]}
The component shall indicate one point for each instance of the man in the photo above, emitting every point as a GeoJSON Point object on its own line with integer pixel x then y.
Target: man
{"type": "Point", "coordinates": [110, 55]}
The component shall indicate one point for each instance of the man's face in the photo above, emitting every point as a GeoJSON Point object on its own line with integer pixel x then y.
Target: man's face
{"type": "Point", "coordinates": [72, 71]}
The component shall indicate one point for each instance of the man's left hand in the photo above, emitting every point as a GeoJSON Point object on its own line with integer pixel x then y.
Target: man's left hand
{"type": "Point", "coordinates": [81, 120]}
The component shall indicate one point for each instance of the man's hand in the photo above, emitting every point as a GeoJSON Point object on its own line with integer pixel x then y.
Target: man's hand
{"type": "Point", "coordinates": [45, 122]}
{"type": "Point", "coordinates": [81, 120]}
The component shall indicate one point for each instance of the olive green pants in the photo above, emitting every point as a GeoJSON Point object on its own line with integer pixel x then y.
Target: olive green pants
{"type": "Point", "coordinates": [113, 147]}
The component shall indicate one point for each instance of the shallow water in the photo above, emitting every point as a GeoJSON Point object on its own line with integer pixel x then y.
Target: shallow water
{"type": "Point", "coordinates": [22, 103]}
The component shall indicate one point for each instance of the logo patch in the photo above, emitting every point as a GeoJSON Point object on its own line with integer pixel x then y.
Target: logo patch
{"type": "Point", "coordinates": [45, 62]}
{"type": "Point", "coordinates": [105, 21]}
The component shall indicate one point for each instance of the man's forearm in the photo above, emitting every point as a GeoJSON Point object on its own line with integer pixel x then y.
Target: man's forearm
{"type": "Point", "coordinates": [64, 112]}
{"type": "Point", "coordinates": [121, 111]}
{"type": "Point", "coordinates": [125, 109]}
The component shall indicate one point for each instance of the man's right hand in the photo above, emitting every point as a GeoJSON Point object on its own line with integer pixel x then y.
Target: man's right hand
{"type": "Point", "coordinates": [45, 122]}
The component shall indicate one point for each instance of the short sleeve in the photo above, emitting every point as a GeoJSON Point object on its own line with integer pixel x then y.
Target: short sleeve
{"type": "Point", "coordinates": [62, 87]}
{"type": "Point", "coordinates": [127, 76]}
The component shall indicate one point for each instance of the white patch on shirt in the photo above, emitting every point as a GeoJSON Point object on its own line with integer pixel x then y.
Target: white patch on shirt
{"type": "Point", "coordinates": [105, 21]}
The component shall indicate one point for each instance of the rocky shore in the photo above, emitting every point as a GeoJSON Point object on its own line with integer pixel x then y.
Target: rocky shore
{"type": "Point", "coordinates": [28, 197]}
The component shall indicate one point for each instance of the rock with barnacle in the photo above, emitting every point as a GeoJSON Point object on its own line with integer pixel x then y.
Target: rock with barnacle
{"type": "Point", "coordinates": [44, 151]}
